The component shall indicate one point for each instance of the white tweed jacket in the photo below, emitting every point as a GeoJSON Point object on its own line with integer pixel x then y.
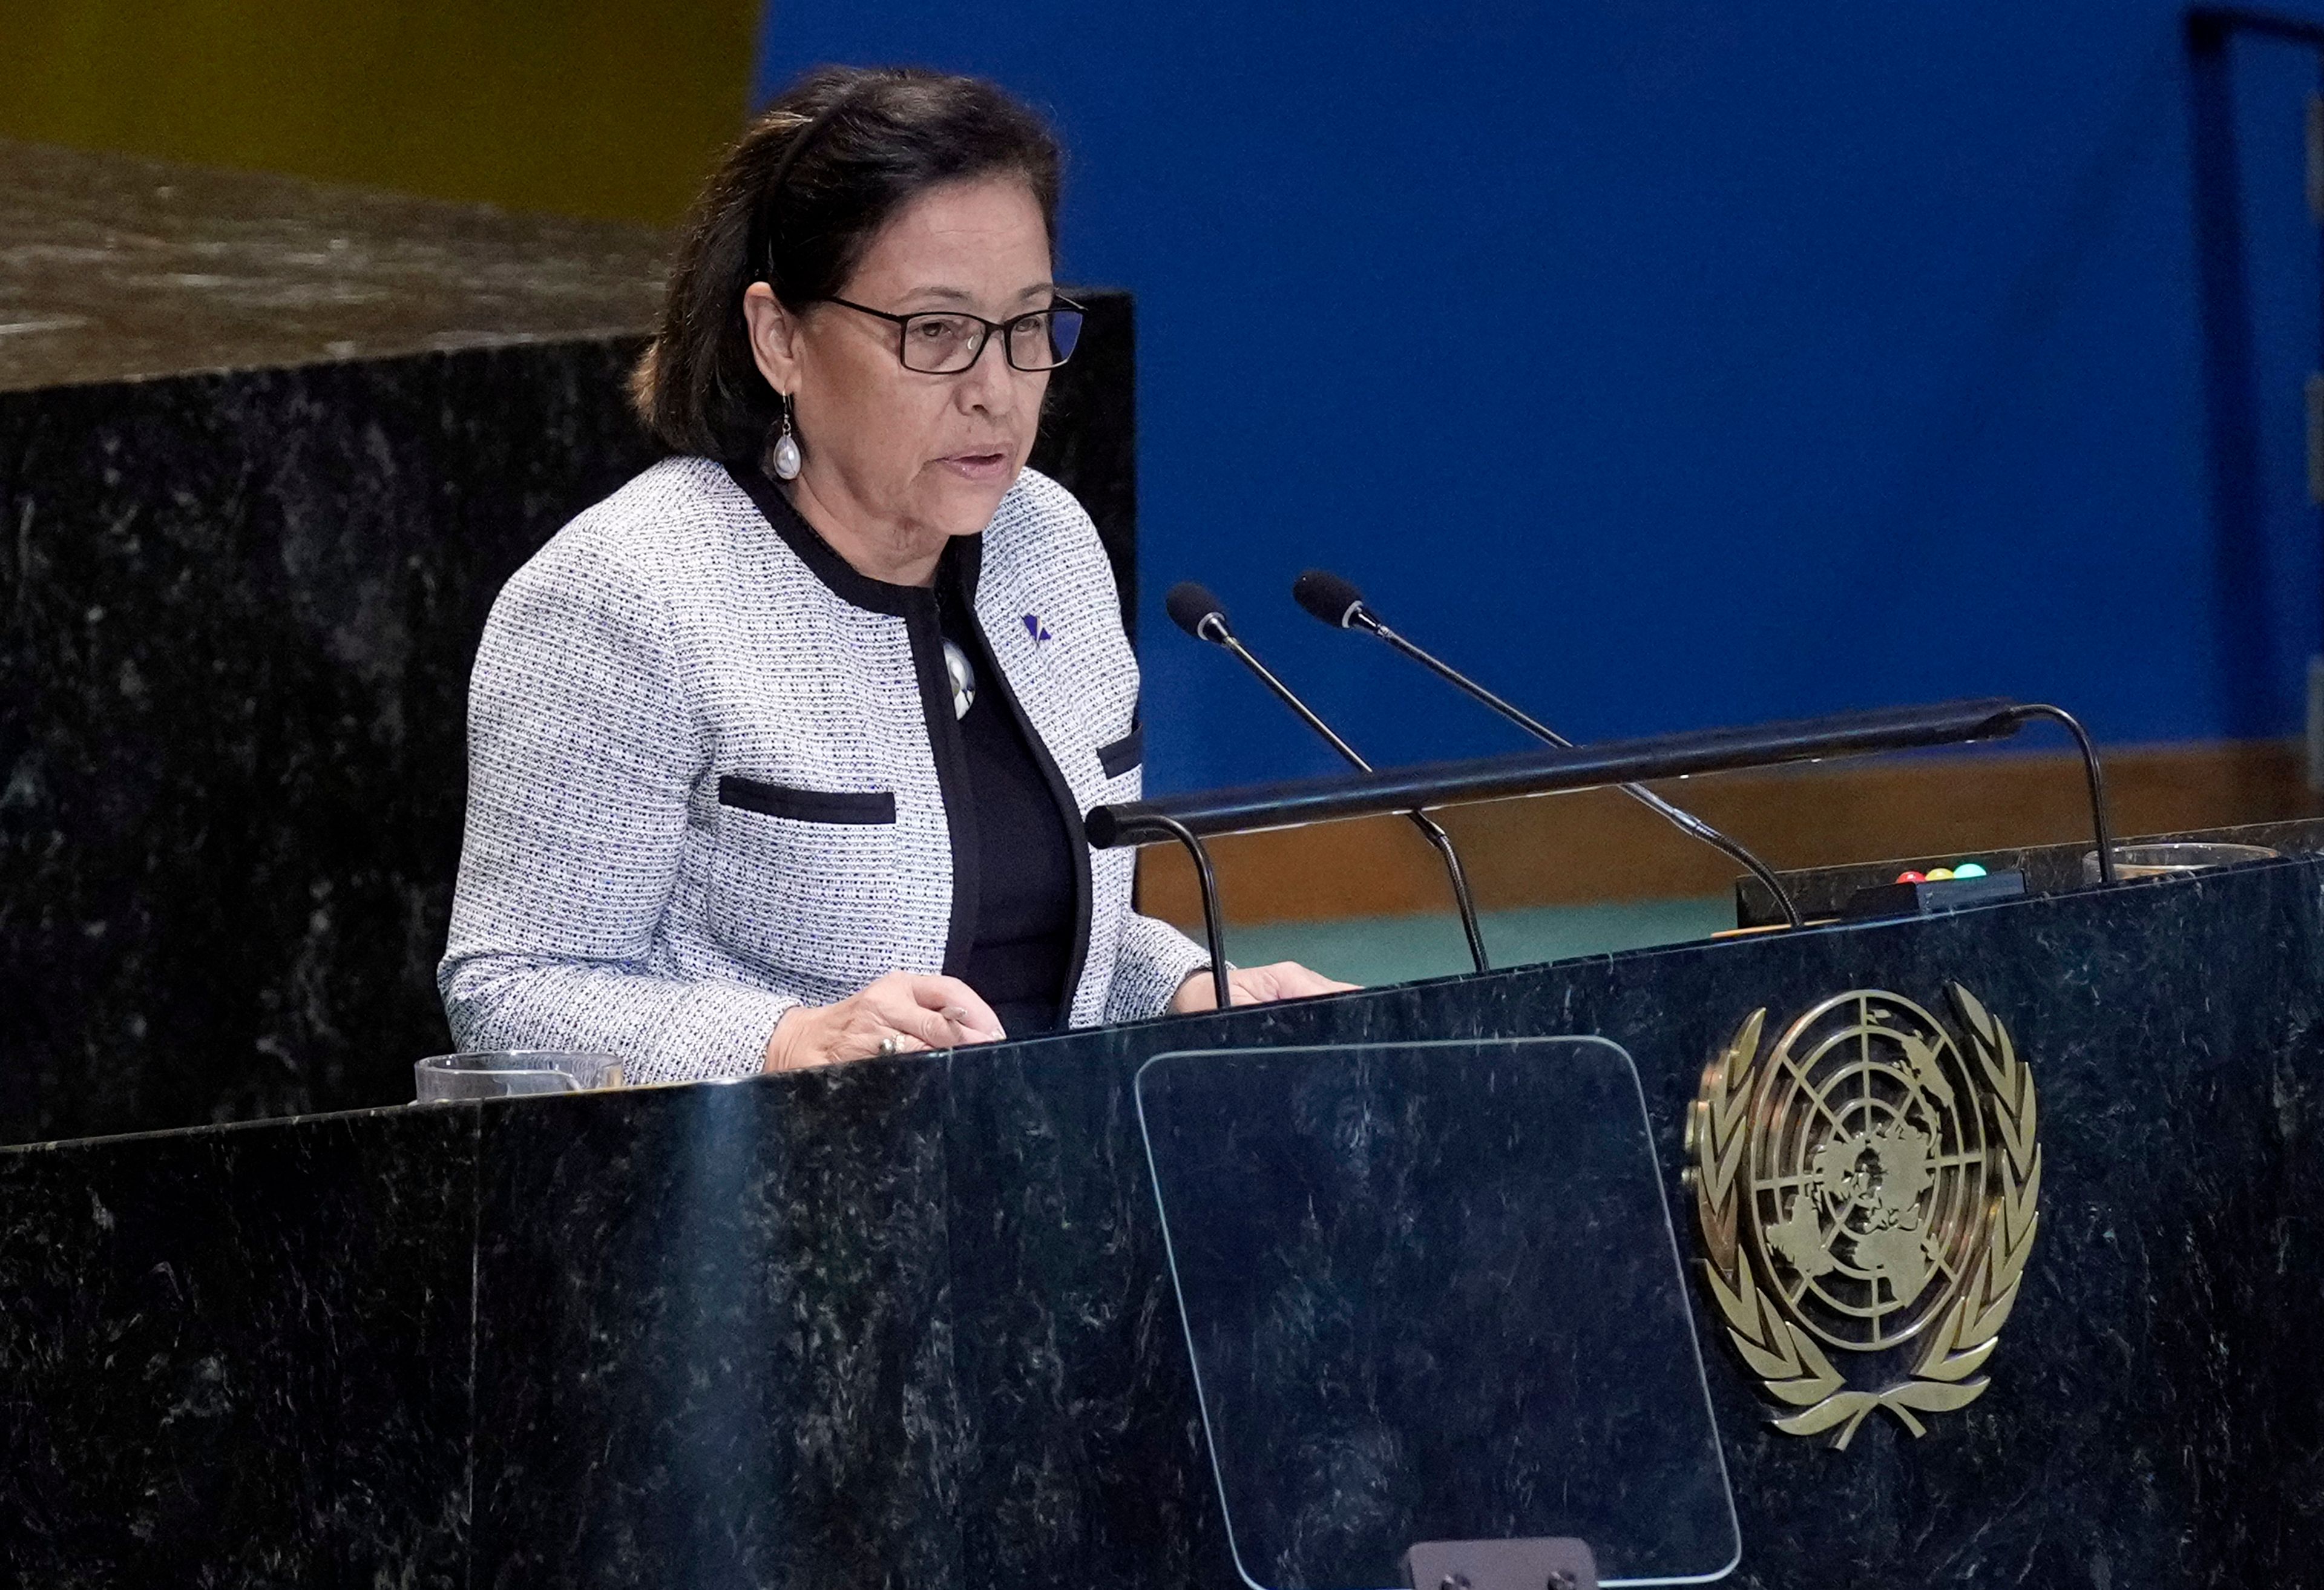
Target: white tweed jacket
{"type": "Point", "coordinates": [708, 765]}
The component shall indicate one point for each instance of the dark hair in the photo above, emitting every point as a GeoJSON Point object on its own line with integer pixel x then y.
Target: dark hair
{"type": "Point", "coordinates": [794, 204]}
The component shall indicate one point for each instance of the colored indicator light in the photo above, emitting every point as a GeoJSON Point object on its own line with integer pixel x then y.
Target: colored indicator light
{"type": "Point", "coordinates": [1941, 874]}
{"type": "Point", "coordinates": [1968, 869]}
{"type": "Point", "coordinates": [1910, 878]}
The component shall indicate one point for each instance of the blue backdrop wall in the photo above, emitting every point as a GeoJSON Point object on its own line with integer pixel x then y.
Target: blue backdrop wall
{"type": "Point", "coordinates": [1672, 362]}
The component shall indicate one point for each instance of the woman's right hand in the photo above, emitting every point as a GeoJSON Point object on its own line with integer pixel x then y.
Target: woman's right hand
{"type": "Point", "coordinates": [895, 1014]}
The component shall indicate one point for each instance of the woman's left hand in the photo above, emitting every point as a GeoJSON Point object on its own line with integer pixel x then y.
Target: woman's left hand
{"type": "Point", "coordinates": [1255, 986]}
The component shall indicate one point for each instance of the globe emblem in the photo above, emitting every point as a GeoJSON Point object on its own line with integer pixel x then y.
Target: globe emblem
{"type": "Point", "coordinates": [1867, 1178]}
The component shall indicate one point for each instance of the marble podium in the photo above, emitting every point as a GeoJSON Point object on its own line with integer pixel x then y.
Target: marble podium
{"type": "Point", "coordinates": [909, 1322]}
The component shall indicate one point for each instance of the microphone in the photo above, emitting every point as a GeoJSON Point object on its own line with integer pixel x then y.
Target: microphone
{"type": "Point", "coordinates": [1193, 608]}
{"type": "Point", "coordinates": [1339, 604]}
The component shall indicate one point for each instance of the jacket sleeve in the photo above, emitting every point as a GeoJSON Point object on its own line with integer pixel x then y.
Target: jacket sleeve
{"type": "Point", "coordinates": [582, 753]}
{"type": "Point", "coordinates": [1154, 959]}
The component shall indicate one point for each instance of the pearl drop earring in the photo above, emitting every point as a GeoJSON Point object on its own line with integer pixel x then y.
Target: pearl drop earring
{"type": "Point", "coordinates": [782, 453]}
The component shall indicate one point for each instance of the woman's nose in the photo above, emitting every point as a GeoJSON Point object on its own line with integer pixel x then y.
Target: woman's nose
{"type": "Point", "coordinates": [989, 383]}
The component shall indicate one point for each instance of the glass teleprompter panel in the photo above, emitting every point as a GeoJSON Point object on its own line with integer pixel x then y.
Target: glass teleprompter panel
{"type": "Point", "coordinates": [1431, 1293]}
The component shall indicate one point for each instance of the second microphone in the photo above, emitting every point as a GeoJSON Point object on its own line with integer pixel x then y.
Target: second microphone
{"type": "Point", "coordinates": [1193, 608]}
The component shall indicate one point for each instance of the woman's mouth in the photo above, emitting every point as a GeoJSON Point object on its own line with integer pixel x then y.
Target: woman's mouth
{"type": "Point", "coordinates": [977, 466]}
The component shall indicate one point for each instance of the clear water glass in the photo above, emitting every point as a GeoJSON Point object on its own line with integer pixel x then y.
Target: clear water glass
{"type": "Point", "coordinates": [512, 1074]}
{"type": "Point", "coordinates": [2173, 858]}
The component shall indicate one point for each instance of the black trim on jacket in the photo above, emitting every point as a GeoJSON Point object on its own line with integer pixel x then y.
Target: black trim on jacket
{"type": "Point", "coordinates": [926, 626]}
{"type": "Point", "coordinates": [1118, 758]}
{"type": "Point", "coordinates": [807, 806]}
{"type": "Point", "coordinates": [822, 559]}
{"type": "Point", "coordinates": [970, 566]}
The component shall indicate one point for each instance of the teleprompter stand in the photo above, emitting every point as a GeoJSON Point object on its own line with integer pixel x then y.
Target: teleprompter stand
{"type": "Point", "coordinates": [1436, 1317]}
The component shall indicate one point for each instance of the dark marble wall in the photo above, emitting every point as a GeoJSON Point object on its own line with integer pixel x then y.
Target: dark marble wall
{"type": "Point", "coordinates": [238, 613]}
{"type": "Point", "coordinates": [909, 1322]}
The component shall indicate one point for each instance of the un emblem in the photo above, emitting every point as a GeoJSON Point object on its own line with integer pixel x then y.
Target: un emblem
{"type": "Point", "coordinates": [1869, 1184]}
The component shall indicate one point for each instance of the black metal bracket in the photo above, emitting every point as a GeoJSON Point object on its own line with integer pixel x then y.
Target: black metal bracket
{"type": "Point", "coordinates": [1213, 928]}
{"type": "Point", "coordinates": [2101, 828]}
{"type": "Point", "coordinates": [1187, 819]}
{"type": "Point", "coordinates": [1550, 771]}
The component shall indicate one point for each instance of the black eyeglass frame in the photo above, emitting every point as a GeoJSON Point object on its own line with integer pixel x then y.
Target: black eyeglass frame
{"type": "Point", "coordinates": [903, 324]}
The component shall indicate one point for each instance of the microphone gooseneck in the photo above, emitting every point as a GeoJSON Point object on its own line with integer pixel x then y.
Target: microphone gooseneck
{"type": "Point", "coordinates": [1193, 608]}
{"type": "Point", "coordinates": [1338, 603]}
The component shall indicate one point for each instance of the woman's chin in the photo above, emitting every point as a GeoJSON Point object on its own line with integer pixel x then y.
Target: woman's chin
{"type": "Point", "coordinates": [963, 507]}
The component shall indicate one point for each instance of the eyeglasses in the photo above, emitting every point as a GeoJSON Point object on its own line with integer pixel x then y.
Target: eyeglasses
{"type": "Point", "coordinates": [945, 342]}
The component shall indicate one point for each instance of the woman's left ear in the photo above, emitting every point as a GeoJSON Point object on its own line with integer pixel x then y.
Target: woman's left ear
{"type": "Point", "coordinates": [774, 336]}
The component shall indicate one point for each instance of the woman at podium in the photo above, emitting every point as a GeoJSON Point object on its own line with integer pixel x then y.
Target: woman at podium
{"type": "Point", "coordinates": [778, 756]}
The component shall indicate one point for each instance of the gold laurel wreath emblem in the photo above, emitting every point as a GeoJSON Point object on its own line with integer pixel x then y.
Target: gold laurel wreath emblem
{"type": "Point", "coordinates": [1791, 1366]}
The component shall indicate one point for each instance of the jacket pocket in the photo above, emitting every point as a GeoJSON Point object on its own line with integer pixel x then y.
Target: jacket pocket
{"type": "Point", "coordinates": [1124, 753]}
{"type": "Point", "coordinates": [809, 806]}
{"type": "Point", "coordinates": [811, 898]}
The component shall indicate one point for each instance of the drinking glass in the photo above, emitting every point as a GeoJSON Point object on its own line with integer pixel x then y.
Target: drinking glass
{"type": "Point", "coordinates": [2173, 858]}
{"type": "Point", "coordinates": [509, 1073]}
